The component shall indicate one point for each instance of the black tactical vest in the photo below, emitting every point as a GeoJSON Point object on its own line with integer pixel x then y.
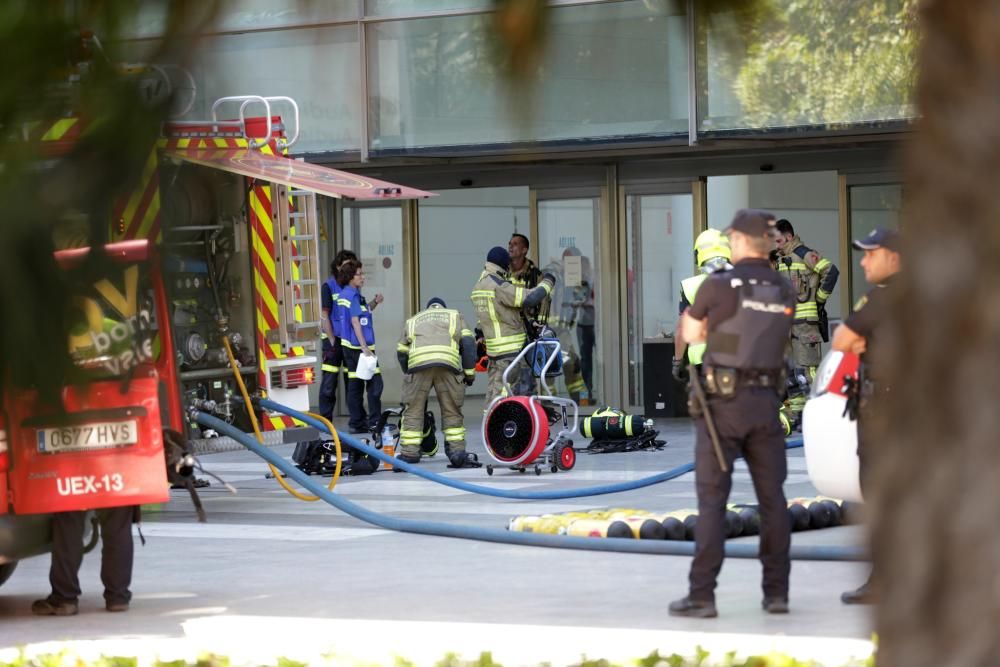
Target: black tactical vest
{"type": "Point", "coordinates": [755, 338]}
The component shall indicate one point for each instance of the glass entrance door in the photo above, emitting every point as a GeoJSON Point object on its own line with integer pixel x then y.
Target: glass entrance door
{"type": "Point", "coordinates": [375, 233]}
{"type": "Point", "coordinates": [659, 233]}
{"type": "Point", "coordinates": [568, 248]}
{"type": "Point", "coordinates": [870, 206]}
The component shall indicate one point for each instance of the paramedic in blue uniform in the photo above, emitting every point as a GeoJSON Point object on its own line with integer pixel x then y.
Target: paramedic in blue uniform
{"type": "Point", "coordinates": [744, 315]}
{"type": "Point", "coordinates": [357, 339]}
{"type": "Point", "coordinates": [333, 355]}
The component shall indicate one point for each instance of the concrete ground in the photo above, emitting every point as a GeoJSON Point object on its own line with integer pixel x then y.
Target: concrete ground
{"type": "Point", "coordinates": [272, 576]}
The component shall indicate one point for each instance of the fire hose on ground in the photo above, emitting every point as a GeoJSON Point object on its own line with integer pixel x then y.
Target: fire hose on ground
{"type": "Point", "coordinates": [487, 490]}
{"type": "Point", "coordinates": [422, 527]}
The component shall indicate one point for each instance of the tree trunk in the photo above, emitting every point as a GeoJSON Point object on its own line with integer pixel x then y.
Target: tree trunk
{"type": "Point", "coordinates": [936, 469]}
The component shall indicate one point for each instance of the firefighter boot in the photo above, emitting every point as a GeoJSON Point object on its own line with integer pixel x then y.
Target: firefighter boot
{"type": "Point", "coordinates": [406, 458]}
{"type": "Point", "coordinates": [461, 458]}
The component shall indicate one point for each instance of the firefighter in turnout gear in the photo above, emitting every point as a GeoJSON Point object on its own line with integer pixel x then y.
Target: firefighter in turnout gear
{"type": "Point", "coordinates": [524, 273]}
{"type": "Point", "coordinates": [437, 350]}
{"type": "Point", "coordinates": [712, 254]}
{"type": "Point", "coordinates": [745, 316]}
{"type": "Point", "coordinates": [813, 278]}
{"type": "Point", "coordinates": [500, 307]}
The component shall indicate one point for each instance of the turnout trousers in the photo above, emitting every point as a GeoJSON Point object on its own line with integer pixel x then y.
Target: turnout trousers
{"type": "Point", "coordinates": [450, 390]}
{"type": "Point", "coordinates": [494, 379]}
{"type": "Point", "coordinates": [748, 426]}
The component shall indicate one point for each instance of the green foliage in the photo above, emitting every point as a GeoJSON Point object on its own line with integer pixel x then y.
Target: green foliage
{"type": "Point", "coordinates": [64, 61]}
{"type": "Point", "coordinates": [810, 62]}
{"type": "Point", "coordinates": [702, 658]}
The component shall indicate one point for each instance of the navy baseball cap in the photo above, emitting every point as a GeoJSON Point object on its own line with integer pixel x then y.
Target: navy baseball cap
{"type": "Point", "coordinates": [880, 237]}
{"type": "Point", "coordinates": [752, 222]}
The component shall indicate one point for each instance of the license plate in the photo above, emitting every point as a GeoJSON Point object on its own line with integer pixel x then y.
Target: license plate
{"type": "Point", "coordinates": [99, 435]}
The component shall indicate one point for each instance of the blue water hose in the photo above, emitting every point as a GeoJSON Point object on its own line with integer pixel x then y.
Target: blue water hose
{"type": "Point", "coordinates": [488, 490]}
{"type": "Point", "coordinates": [661, 547]}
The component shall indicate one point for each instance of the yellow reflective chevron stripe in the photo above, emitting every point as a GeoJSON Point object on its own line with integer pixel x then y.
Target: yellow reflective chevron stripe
{"type": "Point", "coordinates": [470, 372]}
{"type": "Point", "coordinates": [330, 368]}
{"type": "Point", "coordinates": [822, 295]}
{"type": "Point", "coordinates": [547, 286]}
{"type": "Point", "coordinates": [59, 129]}
{"type": "Point", "coordinates": [822, 264]}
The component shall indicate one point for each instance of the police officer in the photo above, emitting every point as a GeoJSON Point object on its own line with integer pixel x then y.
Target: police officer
{"type": "Point", "coordinates": [813, 277]}
{"type": "Point", "coordinates": [333, 355]}
{"type": "Point", "coordinates": [862, 333]}
{"type": "Point", "coordinates": [436, 350]}
{"type": "Point", "coordinates": [499, 309]}
{"type": "Point", "coordinates": [744, 315]}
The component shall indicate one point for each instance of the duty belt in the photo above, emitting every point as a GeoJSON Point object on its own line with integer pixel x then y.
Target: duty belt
{"type": "Point", "coordinates": [725, 381]}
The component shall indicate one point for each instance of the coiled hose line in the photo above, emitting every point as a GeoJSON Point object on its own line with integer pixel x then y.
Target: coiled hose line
{"type": "Point", "coordinates": [317, 419]}
{"type": "Point", "coordinates": [662, 547]}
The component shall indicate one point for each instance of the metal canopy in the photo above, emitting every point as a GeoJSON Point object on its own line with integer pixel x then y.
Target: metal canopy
{"type": "Point", "coordinates": [296, 174]}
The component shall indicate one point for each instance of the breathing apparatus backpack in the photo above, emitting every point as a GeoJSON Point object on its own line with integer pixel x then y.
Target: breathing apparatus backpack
{"type": "Point", "coordinates": [613, 430]}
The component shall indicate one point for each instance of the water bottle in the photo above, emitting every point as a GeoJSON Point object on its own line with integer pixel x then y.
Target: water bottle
{"type": "Point", "coordinates": [388, 444]}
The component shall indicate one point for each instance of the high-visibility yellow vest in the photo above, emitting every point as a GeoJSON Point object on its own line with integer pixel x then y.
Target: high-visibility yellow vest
{"type": "Point", "coordinates": [689, 286]}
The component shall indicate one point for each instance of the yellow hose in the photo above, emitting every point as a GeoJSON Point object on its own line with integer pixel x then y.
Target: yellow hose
{"type": "Point", "coordinates": [260, 437]}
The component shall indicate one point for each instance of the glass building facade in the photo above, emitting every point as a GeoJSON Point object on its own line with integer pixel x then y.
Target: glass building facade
{"type": "Point", "coordinates": [634, 125]}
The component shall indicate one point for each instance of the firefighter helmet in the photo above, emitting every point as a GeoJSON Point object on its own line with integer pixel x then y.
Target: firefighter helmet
{"type": "Point", "coordinates": [712, 244]}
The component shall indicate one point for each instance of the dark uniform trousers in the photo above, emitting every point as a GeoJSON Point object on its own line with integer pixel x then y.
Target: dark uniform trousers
{"type": "Point", "coordinates": [871, 413]}
{"type": "Point", "coordinates": [333, 357]}
{"type": "Point", "coordinates": [362, 420]}
{"type": "Point", "coordinates": [747, 426]}
{"type": "Point", "coordinates": [116, 553]}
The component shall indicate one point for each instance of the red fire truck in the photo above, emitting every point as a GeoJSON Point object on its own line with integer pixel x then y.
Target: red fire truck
{"type": "Point", "coordinates": [221, 241]}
